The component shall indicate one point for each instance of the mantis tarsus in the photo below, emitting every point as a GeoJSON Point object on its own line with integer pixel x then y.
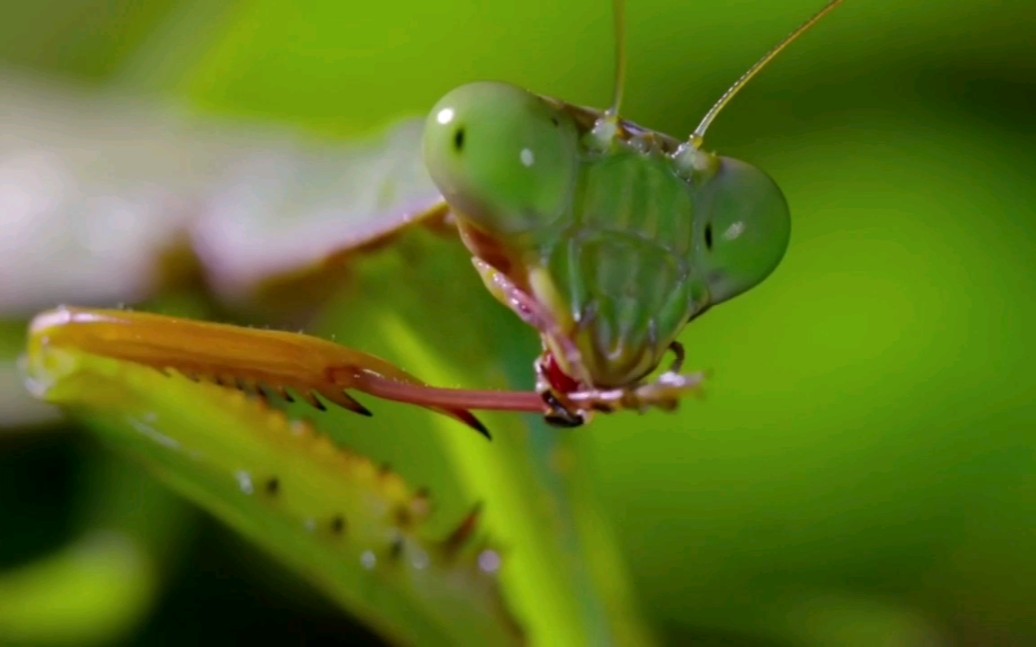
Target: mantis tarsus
{"type": "Point", "coordinates": [606, 237]}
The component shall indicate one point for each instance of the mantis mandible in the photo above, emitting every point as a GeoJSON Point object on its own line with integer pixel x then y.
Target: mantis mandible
{"type": "Point", "coordinates": [606, 237]}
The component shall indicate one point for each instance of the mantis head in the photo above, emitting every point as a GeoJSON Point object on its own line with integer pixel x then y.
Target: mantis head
{"type": "Point", "coordinates": [503, 157]}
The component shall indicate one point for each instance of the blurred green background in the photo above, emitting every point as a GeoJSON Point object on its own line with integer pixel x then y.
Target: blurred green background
{"type": "Point", "coordinates": [862, 469]}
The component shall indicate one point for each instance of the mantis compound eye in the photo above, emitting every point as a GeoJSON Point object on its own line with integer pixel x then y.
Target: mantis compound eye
{"type": "Point", "coordinates": [744, 228]}
{"type": "Point", "coordinates": [503, 158]}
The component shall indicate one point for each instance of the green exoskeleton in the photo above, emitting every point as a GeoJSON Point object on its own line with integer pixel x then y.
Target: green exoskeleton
{"type": "Point", "coordinates": [606, 237]}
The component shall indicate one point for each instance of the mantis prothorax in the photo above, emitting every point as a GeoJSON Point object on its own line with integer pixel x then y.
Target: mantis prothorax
{"type": "Point", "coordinates": [604, 236]}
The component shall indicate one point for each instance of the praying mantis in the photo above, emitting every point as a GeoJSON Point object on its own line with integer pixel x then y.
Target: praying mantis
{"type": "Point", "coordinates": [605, 237]}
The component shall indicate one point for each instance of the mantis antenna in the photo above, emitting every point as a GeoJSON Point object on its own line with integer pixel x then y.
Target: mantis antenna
{"type": "Point", "coordinates": [699, 132]}
{"type": "Point", "coordinates": [619, 11]}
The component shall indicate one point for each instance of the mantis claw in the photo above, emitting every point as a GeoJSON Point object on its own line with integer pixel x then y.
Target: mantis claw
{"type": "Point", "coordinates": [346, 401]}
{"type": "Point", "coordinates": [316, 370]}
{"type": "Point", "coordinates": [559, 415]}
{"type": "Point", "coordinates": [232, 356]}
